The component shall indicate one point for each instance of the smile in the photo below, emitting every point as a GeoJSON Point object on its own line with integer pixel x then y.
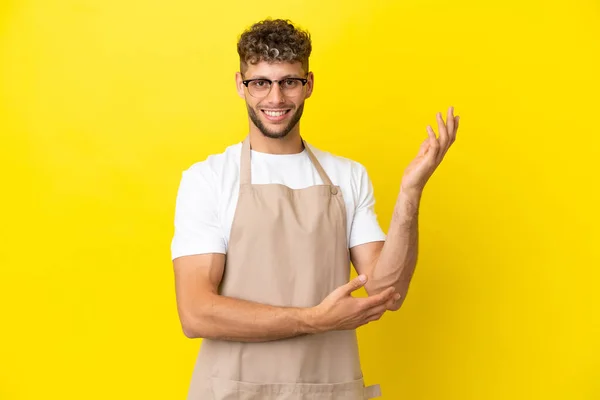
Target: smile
{"type": "Point", "coordinates": [275, 115]}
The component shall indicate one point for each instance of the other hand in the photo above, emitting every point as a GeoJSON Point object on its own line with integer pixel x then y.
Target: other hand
{"type": "Point", "coordinates": [431, 153]}
{"type": "Point", "coordinates": [341, 311]}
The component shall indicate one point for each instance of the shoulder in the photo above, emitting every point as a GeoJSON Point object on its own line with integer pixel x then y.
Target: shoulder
{"type": "Point", "coordinates": [214, 166]}
{"type": "Point", "coordinates": [342, 167]}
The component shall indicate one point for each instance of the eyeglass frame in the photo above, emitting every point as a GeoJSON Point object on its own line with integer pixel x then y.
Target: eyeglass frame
{"type": "Point", "coordinates": [246, 82]}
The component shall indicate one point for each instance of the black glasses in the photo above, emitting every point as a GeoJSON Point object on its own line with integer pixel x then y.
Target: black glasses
{"type": "Point", "coordinates": [290, 87]}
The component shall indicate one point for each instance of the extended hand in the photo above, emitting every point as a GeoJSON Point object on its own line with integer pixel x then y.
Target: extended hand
{"type": "Point", "coordinates": [431, 153]}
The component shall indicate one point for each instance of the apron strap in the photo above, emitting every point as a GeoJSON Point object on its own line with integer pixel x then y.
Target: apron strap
{"type": "Point", "coordinates": [372, 392]}
{"type": "Point", "coordinates": [245, 166]}
{"type": "Point", "coordinates": [317, 164]}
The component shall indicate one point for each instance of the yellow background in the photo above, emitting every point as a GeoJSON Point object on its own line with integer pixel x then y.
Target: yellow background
{"type": "Point", "coordinates": [104, 103]}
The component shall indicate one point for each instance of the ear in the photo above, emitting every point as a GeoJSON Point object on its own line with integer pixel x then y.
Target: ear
{"type": "Point", "coordinates": [310, 85]}
{"type": "Point", "coordinates": [240, 85]}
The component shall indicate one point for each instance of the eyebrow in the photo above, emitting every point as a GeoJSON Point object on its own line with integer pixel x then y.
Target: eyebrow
{"type": "Point", "coordinates": [283, 77]}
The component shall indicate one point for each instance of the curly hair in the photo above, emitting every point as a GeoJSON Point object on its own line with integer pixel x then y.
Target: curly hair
{"type": "Point", "coordinates": [272, 41]}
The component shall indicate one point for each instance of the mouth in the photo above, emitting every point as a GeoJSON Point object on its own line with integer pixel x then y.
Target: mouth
{"type": "Point", "coordinates": [275, 115]}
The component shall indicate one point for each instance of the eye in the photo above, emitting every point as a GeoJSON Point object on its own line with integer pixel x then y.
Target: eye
{"type": "Point", "coordinates": [260, 84]}
{"type": "Point", "coordinates": [290, 83]}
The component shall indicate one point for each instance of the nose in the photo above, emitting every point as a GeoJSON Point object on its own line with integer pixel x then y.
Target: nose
{"type": "Point", "coordinates": [275, 95]}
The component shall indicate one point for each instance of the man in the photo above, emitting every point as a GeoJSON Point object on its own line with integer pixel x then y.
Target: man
{"type": "Point", "coordinates": [265, 233]}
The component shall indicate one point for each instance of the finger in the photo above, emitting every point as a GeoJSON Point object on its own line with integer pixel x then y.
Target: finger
{"type": "Point", "coordinates": [453, 135]}
{"type": "Point", "coordinates": [376, 312]}
{"type": "Point", "coordinates": [394, 300]}
{"type": "Point", "coordinates": [451, 130]}
{"type": "Point", "coordinates": [379, 299]}
{"type": "Point", "coordinates": [373, 318]}
{"type": "Point", "coordinates": [355, 284]}
{"type": "Point", "coordinates": [391, 304]}
{"type": "Point", "coordinates": [443, 135]}
{"type": "Point", "coordinates": [431, 133]}
{"type": "Point", "coordinates": [434, 145]}
{"type": "Point", "coordinates": [451, 124]}
{"type": "Point", "coordinates": [365, 321]}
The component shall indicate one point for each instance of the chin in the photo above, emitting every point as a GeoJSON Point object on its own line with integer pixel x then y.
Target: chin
{"type": "Point", "coordinates": [275, 135]}
{"type": "Point", "coordinates": [272, 130]}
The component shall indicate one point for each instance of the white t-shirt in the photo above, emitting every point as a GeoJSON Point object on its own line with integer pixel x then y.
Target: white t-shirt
{"type": "Point", "coordinates": [208, 194]}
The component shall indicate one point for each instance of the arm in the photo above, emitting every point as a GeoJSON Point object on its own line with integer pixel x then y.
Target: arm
{"type": "Point", "coordinates": [203, 312]}
{"type": "Point", "coordinates": [393, 262]}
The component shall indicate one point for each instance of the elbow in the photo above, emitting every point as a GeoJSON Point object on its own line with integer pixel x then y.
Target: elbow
{"type": "Point", "coordinates": [377, 287]}
{"type": "Point", "coordinates": [193, 326]}
{"type": "Point", "coordinates": [396, 305]}
{"type": "Point", "coordinates": [190, 331]}
{"type": "Point", "coordinates": [196, 318]}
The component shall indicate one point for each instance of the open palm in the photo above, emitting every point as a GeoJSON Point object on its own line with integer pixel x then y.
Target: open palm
{"type": "Point", "coordinates": [431, 153]}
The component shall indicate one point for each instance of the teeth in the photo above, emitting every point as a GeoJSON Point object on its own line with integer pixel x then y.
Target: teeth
{"type": "Point", "coordinates": [275, 113]}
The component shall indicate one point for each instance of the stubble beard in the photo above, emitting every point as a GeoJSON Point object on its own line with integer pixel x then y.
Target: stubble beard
{"type": "Point", "coordinates": [275, 134]}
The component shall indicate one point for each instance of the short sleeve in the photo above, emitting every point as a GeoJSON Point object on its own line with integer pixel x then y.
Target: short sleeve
{"type": "Point", "coordinates": [365, 226]}
{"type": "Point", "coordinates": [197, 226]}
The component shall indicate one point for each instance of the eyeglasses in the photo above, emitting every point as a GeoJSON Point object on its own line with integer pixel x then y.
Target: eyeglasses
{"type": "Point", "coordinates": [290, 87]}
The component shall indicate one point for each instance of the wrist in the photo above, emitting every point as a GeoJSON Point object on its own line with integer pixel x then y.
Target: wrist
{"type": "Point", "coordinates": [413, 195]}
{"type": "Point", "coordinates": [310, 320]}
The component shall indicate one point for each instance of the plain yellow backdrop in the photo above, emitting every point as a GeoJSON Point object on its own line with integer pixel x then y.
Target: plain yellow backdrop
{"type": "Point", "coordinates": [104, 103]}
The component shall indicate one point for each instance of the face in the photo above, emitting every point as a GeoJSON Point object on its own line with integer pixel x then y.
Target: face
{"type": "Point", "coordinates": [275, 115]}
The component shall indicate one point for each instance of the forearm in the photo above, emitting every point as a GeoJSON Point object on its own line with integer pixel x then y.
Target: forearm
{"type": "Point", "coordinates": [226, 318]}
{"type": "Point", "coordinates": [397, 261]}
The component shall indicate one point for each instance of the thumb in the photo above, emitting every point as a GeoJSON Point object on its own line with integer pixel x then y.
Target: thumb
{"type": "Point", "coordinates": [356, 283]}
{"type": "Point", "coordinates": [424, 146]}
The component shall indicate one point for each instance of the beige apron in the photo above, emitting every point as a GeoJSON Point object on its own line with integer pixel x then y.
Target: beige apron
{"type": "Point", "coordinates": [288, 247]}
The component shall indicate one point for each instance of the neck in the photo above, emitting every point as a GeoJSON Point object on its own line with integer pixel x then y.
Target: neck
{"type": "Point", "coordinates": [290, 144]}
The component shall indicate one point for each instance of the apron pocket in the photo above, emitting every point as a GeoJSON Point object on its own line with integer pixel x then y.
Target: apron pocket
{"type": "Point", "coordinates": [224, 389]}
